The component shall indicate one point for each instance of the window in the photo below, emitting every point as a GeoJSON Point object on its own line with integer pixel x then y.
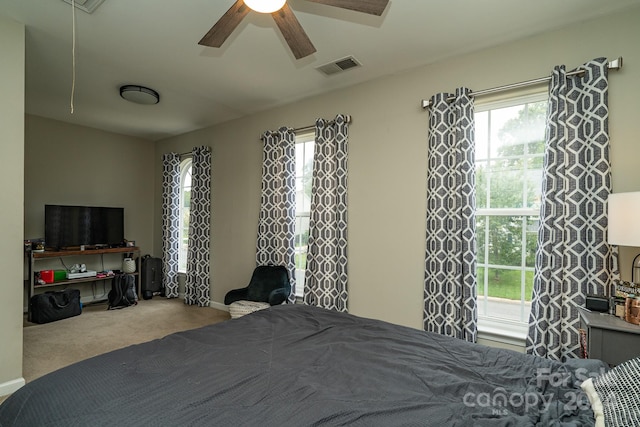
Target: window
{"type": "Point", "coordinates": [510, 139]}
{"type": "Point", "coordinates": [304, 169]}
{"type": "Point", "coordinates": [185, 203]}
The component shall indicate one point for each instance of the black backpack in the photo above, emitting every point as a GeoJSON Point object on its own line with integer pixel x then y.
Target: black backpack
{"type": "Point", "coordinates": [123, 291]}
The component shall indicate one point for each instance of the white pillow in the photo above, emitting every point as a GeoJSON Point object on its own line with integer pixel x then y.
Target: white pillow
{"type": "Point", "coordinates": [594, 399]}
{"type": "Point", "coordinates": [615, 395]}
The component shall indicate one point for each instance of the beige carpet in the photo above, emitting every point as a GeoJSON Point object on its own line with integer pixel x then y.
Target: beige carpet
{"type": "Point", "coordinates": [97, 330]}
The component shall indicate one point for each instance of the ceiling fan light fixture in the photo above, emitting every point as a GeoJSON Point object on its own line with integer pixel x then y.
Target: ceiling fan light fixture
{"type": "Point", "coordinates": [265, 6]}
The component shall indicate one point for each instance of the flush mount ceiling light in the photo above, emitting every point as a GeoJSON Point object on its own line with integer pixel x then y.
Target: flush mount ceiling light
{"type": "Point", "coordinates": [265, 6]}
{"type": "Point", "coordinates": [139, 94]}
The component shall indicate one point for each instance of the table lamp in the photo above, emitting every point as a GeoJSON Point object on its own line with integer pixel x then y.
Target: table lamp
{"type": "Point", "coordinates": [624, 229]}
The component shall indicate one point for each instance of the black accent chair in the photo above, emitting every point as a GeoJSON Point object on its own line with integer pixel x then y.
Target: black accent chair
{"type": "Point", "coordinates": [269, 283]}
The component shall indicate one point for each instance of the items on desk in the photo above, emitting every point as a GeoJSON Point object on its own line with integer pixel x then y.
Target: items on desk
{"type": "Point", "coordinates": [632, 309]}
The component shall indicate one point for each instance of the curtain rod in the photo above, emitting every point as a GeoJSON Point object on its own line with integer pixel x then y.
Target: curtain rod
{"type": "Point", "coordinates": [301, 129]}
{"type": "Point", "coordinates": [312, 127]}
{"type": "Point", "coordinates": [616, 64]}
{"type": "Point", "coordinates": [304, 129]}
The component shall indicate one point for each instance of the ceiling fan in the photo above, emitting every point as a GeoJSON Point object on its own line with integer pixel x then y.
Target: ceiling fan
{"type": "Point", "coordinates": [287, 22]}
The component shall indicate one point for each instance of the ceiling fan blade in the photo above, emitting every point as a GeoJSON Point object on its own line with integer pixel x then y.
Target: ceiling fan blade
{"type": "Point", "coordinates": [372, 7]}
{"type": "Point", "coordinates": [293, 33]}
{"type": "Point", "coordinates": [225, 25]}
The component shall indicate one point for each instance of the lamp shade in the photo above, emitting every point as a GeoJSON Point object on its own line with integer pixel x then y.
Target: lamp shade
{"type": "Point", "coordinates": [624, 219]}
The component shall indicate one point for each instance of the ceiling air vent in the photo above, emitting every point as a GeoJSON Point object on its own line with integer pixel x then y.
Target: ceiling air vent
{"type": "Point", "coordinates": [86, 5]}
{"type": "Point", "coordinates": [338, 66]}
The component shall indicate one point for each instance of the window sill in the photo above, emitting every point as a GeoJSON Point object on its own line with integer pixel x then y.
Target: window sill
{"type": "Point", "coordinates": [503, 331]}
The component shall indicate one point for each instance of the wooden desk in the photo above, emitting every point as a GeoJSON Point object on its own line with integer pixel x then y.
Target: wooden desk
{"type": "Point", "coordinates": [609, 338]}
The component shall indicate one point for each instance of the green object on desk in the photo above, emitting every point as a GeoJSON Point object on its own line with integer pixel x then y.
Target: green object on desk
{"type": "Point", "coordinates": [59, 275]}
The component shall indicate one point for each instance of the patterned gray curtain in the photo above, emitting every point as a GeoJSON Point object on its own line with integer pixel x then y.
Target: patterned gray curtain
{"type": "Point", "coordinates": [450, 284]}
{"type": "Point", "coordinates": [326, 273]}
{"type": "Point", "coordinates": [573, 258]}
{"type": "Point", "coordinates": [170, 222]}
{"type": "Point", "coordinates": [198, 264]}
{"type": "Point", "coordinates": [275, 244]}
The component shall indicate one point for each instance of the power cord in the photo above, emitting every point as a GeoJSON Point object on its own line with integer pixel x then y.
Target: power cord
{"type": "Point", "coordinates": [63, 264]}
{"type": "Point", "coordinates": [73, 52]}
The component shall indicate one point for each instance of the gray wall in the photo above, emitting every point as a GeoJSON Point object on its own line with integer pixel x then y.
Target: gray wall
{"type": "Point", "coordinates": [387, 159]}
{"type": "Point", "coordinates": [75, 165]}
{"type": "Point", "coordinates": [11, 208]}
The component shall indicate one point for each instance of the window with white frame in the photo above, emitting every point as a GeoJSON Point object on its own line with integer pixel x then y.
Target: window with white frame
{"type": "Point", "coordinates": [304, 169]}
{"type": "Point", "coordinates": [185, 203]}
{"type": "Point", "coordinates": [509, 137]}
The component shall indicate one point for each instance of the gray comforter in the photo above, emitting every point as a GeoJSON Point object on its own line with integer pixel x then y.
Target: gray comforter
{"type": "Point", "coordinates": [304, 366]}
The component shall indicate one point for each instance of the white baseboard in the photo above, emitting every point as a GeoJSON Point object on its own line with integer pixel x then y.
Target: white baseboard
{"type": "Point", "coordinates": [12, 386]}
{"type": "Point", "coordinates": [212, 304]}
{"type": "Point", "coordinates": [218, 306]}
{"type": "Point", "coordinates": [92, 300]}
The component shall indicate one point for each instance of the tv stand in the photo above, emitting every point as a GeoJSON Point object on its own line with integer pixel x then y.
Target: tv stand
{"type": "Point", "coordinates": [38, 256]}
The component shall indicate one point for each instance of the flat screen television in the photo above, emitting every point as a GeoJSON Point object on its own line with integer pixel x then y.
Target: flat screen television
{"type": "Point", "coordinates": [71, 226]}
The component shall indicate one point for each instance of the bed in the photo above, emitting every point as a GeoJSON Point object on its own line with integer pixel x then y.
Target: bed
{"type": "Point", "coordinates": [306, 366]}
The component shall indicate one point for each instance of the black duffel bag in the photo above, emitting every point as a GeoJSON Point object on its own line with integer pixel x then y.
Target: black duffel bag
{"type": "Point", "coordinates": [54, 305]}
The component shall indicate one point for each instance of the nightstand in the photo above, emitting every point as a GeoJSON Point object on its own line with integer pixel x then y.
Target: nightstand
{"type": "Point", "coordinates": [609, 338]}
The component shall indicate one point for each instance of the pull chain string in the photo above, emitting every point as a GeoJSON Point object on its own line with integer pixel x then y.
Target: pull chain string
{"type": "Point", "coordinates": [73, 51]}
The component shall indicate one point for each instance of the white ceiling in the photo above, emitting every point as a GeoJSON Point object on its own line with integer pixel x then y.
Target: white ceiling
{"type": "Point", "coordinates": [154, 43]}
